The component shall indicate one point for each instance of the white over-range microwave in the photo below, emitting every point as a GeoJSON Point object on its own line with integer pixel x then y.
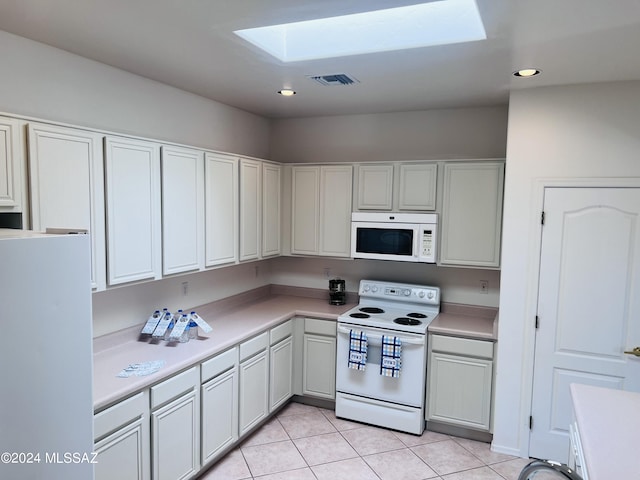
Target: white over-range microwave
{"type": "Point", "coordinates": [403, 237]}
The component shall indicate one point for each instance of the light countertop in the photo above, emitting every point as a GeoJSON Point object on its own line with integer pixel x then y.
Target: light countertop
{"type": "Point", "coordinates": [466, 321]}
{"type": "Point", "coordinates": [608, 421]}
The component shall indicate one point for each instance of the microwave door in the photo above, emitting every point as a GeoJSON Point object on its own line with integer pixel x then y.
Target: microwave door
{"type": "Point", "coordinates": [385, 242]}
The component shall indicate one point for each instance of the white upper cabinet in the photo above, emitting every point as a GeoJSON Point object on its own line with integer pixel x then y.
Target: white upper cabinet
{"type": "Point", "coordinates": [182, 210]}
{"type": "Point", "coordinates": [250, 209]}
{"type": "Point", "coordinates": [133, 210]}
{"type": "Point", "coordinates": [375, 187]}
{"type": "Point", "coordinates": [271, 208]}
{"type": "Point", "coordinates": [397, 186]}
{"type": "Point", "coordinates": [321, 210]}
{"type": "Point", "coordinates": [472, 214]}
{"type": "Point", "coordinates": [11, 164]}
{"type": "Point", "coordinates": [221, 209]}
{"type": "Point", "coordinates": [417, 186]}
{"type": "Point", "coordinates": [67, 186]}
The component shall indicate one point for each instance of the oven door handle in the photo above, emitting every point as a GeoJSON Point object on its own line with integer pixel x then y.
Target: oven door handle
{"type": "Point", "coordinates": [407, 340]}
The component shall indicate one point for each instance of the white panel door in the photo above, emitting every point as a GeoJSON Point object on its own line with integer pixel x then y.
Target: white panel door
{"type": "Point", "coordinates": [375, 187]}
{"type": "Point", "coordinates": [221, 211]}
{"type": "Point", "coordinates": [182, 210]}
{"type": "Point", "coordinates": [305, 210]}
{"type": "Point", "coordinates": [67, 187]}
{"type": "Point", "coordinates": [271, 207]}
{"type": "Point", "coordinates": [11, 164]}
{"type": "Point", "coordinates": [133, 210]}
{"type": "Point", "coordinates": [588, 306]}
{"type": "Point", "coordinates": [219, 414]}
{"type": "Point", "coordinates": [250, 209]}
{"type": "Point", "coordinates": [254, 391]}
{"type": "Point", "coordinates": [281, 377]}
{"type": "Point", "coordinates": [417, 186]}
{"type": "Point", "coordinates": [335, 210]}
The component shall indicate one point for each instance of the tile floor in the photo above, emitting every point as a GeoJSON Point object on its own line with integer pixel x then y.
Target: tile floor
{"type": "Point", "coordinates": [308, 443]}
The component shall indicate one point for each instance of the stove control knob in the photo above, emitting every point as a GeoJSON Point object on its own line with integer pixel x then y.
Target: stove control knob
{"type": "Point", "coordinates": [407, 292]}
{"type": "Point", "coordinates": [365, 287]}
{"type": "Point", "coordinates": [374, 289]}
{"type": "Point", "coordinates": [421, 294]}
{"type": "Point", "coordinates": [430, 295]}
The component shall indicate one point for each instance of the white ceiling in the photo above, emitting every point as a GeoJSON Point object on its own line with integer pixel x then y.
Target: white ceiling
{"type": "Point", "coordinates": [189, 44]}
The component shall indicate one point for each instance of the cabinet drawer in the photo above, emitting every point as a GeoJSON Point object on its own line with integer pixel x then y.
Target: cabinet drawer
{"type": "Point", "coordinates": [218, 364]}
{"type": "Point", "coordinates": [462, 346]}
{"type": "Point", "coordinates": [320, 327]}
{"type": "Point", "coordinates": [281, 331]}
{"type": "Point", "coordinates": [174, 387]}
{"type": "Point", "coordinates": [119, 415]}
{"type": "Point", "coordinates": [253, 346]}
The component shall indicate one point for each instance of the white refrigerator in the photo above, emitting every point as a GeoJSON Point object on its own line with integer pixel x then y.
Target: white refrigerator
{"type": "Point", "coordinates": [46, 400]}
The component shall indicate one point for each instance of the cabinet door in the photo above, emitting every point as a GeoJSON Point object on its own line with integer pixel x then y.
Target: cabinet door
{"type": "Point", "coordinates": [460, 390]}
{"type": "Point", "coordinates": [11, 164]}
{"type": "Point", "coordinates": [67, 187]}
{"type": "Point", "coordinates": [375, 187]}
{"type": "Point", "coordinates": [335, 210]}
{"type": "Point", "coordinates": [271, 207]}
{"type": "Point", "coordinates": [221, 192]}
{"type": "Point", "coordinates": [319, 366]}
{"type": "Point", "coordinates": [219, 414]}
{"type": "Point", "coordinates": [124, 453]}
{"type": "Point", "coordinates": [175, 438]}
{"type": "Point", "coordinates": [250, 209]}
{"type": "Point", "coordinates": [281, 364]}
{"type": "Point", "coordinates": [133, 210]}
{"type": "Point", "coordinates": [472, 214]}
{"type": "Point", "coordinates": [182, 210]}
{"type": "Point", "coordinates": [254, 390]}
{"type": "Point", "coordinates": [305, 210]}
{"type": "Point", "coordinates": [417, 186]}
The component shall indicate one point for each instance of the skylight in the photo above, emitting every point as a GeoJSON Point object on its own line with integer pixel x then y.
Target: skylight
{"type": "Point", "coordinates": [435, 23]}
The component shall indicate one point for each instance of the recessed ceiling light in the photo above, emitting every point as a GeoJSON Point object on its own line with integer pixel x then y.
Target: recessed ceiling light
{"type": "Point", "coordinates": [433, 23]}
{"type": "Point", "coordinates": [287, 92]}
{"type": "Point", "coordinates": [526, 72]}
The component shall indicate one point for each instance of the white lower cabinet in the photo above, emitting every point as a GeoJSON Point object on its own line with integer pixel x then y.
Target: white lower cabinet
{"type": "Point", "coordinates": [219, 404]}
{"type": "Point", "coordinates": [460, 379]}
{"type": "Point", "coordinates": [319, 358]}
{"type": "Point", "coordinates": [254, 382]}
{"type": "Point", "coordinates": [281, 365]}
{"type": "Point", "coordinates": [175, 427]}
{"type": "Point", "coordinates": [122, 440]}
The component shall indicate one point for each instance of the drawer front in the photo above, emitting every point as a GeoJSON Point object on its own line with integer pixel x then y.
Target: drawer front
{"type": "Point", "coordinates": [253, 346]}
{"type": "Point", "coordinates": [174, 387]}
{"type": "Point", "coordinates": [120, 414]}
{"type": "Point", "coordinates": [320, 327]}
{"type": "Point", "coordinates": [281, 331]}
{"type": "Point", "coordinates": [462, 346]}
{"type": "Point", "coordinates": [218, 364]}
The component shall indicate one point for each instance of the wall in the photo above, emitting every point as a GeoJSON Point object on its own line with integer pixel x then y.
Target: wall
{"type": "Point", "coordinates": [48, 83]}
{"type": "Point", "coordinates": [422, 135]}
{"type": "Point", "coordinates": [586, 131]}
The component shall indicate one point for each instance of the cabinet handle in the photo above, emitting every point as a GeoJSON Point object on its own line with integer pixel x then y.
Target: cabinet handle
{"type": "Point", "coordinates": [635, 351]}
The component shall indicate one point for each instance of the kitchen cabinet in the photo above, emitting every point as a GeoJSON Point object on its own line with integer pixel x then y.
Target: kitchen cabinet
{"type": "Point", "coordinates": [175, 426]}
{"type": "Point", "coordinates": [271, 209]}
{"type": "Point", "coordinates": [460, 381]}
{"type": "Point", "coordinates": [397, 186]}
{"type": "Point", "coordinates": [321, 210]}
{"type": "Point", "coordinates": [280, 364]}
{"type": "Point", "coordinates": [250, 209]}
{"type": "Point", "coordinates": [122, 440]}
{"type": "Point", "coordinates": [133, 210]}
{"type": "Point", "coordinates": [254, 382]}
{"type": "Point", "coordinates": [182, 210]}
{"type": "Point", "coordinates": [221, 209]}
{"type": "Point", "coordinates": [472, 214]}
{"type": "Point", "coordinates": [319, 358]}
{"type": "Point", "coordinates": [219, 404]}
{"type": "Point", "coordinates": [67, 186]}
{"type": "Point", "coordinates": [12, 159]}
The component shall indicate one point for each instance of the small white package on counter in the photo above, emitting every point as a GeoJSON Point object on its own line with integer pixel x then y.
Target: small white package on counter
{"type": "Point", "coordinates": [141, 369]}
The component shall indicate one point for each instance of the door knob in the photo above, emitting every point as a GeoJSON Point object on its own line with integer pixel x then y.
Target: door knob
{"type": "Point", "coordinates": [635, 351]}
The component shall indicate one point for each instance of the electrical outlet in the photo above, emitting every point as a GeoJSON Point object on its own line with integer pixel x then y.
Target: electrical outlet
{"type": "Point", "coordinates": [185, 288]}
{"type": "Point", "coordinates": [484, 286]}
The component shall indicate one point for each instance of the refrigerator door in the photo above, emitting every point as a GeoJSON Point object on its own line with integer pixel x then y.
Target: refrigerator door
{"type": "Point", "coordinates": [46, 414]}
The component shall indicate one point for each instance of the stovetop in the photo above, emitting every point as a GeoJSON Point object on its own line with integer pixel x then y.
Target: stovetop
{"type": "Point", "coordinates": [394, 306]}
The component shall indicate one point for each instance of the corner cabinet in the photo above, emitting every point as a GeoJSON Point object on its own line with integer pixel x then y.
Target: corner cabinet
{"type": "Point", "coordinates": [182, 210]}
{"type": "Point", "coordinates": [271, 208]}
{"type": "Point", "coordinates": [133, 210]}
{"type": "Point", "coordinates": [321, 210]}
{"type": "Point", "coordinates": [250, 209]}
{"type": "Point", "coordinates": [471, 222]}
{"type": "Point", "coordinates": [319, 358]}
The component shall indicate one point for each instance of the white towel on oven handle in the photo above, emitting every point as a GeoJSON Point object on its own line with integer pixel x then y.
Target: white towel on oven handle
{"type": "Point", "coordinates": [391, 358]}
{"type": "Point", "coordinates": [357, 350]}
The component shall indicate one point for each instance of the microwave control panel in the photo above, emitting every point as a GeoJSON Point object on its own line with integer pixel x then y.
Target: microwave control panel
{"type": "Point", "coordinates": [427, 243]}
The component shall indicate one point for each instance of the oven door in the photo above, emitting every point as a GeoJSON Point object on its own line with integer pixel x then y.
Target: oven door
{"type": "Point", "coordinates": [407, 389]}
{"type": "Point", "coordinates": [382, 241]}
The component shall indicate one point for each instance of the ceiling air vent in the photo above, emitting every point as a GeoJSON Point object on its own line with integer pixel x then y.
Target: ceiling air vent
{"type": "Point", "coordinates": [334, 79]}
